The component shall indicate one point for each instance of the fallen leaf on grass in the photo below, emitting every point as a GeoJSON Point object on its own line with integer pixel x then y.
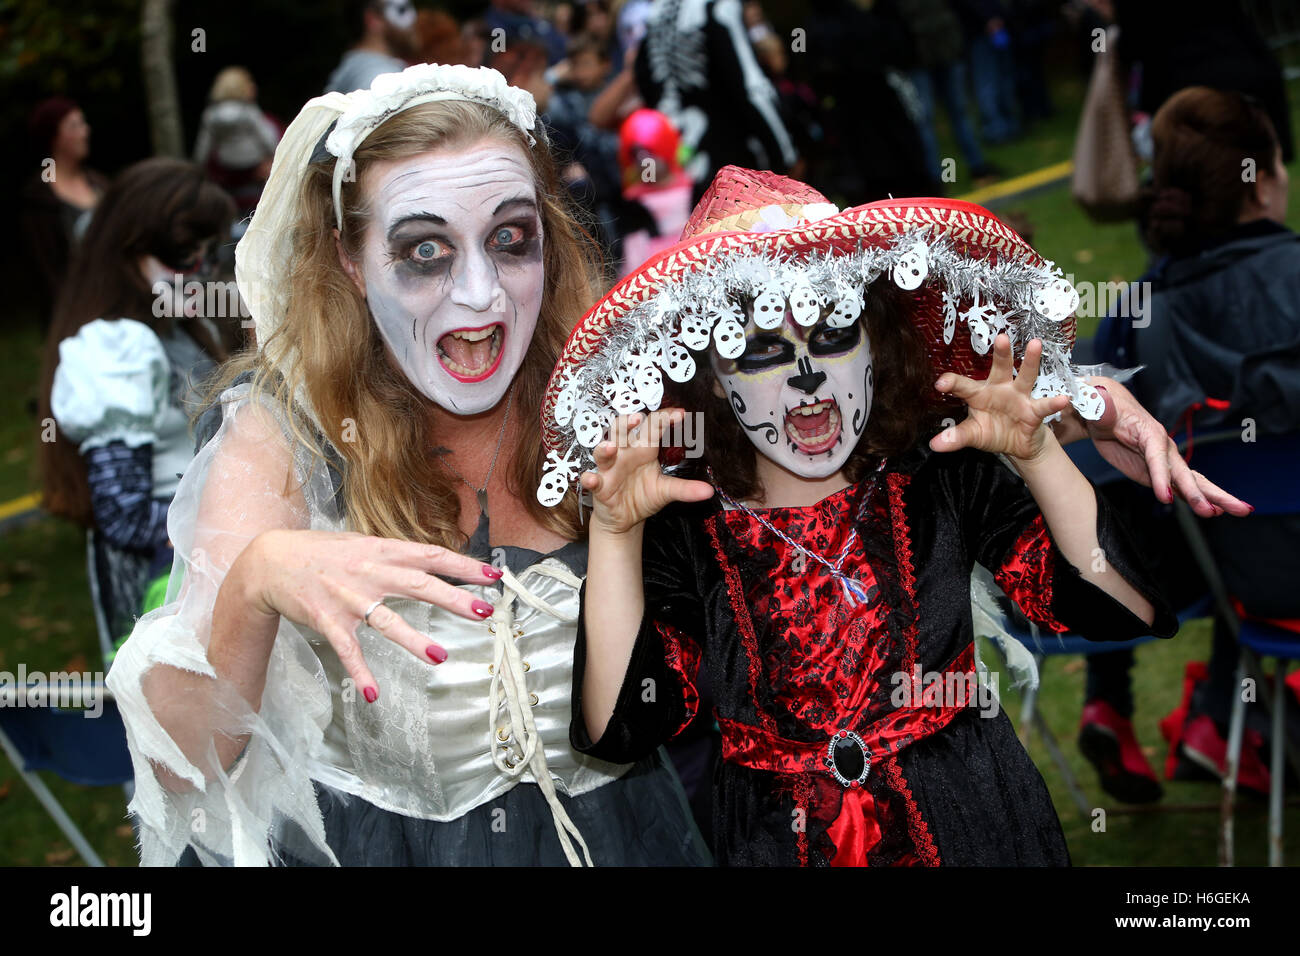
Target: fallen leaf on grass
{"type": "Point", "coordinates": [55, 857]}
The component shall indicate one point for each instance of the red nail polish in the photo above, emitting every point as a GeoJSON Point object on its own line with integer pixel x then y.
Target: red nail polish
{"type": "Point", "coordinates": [1169, 495]}
{"type": "Point", "coordinates": [436, 653]}
{"type": "Point", "coordinates": [371, 695]}
{"type": "Point", "coordinates": [491, 572]}
{"type": "Point", "coordinates": [1252, 508]}
{"type": "Point", "coordinates": [481, 608]}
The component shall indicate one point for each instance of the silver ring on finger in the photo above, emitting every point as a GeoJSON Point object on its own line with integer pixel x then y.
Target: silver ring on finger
{"type": "Point", "coordinates": [365, 618]}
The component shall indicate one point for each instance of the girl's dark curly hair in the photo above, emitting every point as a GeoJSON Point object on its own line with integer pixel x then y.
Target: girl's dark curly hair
{"type": "Point", "coordinates": [902, 408]}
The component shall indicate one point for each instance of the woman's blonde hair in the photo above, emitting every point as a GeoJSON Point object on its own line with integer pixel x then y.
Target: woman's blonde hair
{"type": "Point", "coordinates": [233, 83]}
{"type": "Point", "coordinates": [329, 346]}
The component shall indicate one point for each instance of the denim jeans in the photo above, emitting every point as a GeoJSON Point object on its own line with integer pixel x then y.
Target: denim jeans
{"type": "Point", "coordinates": [949, 82]}
{"type": "Point", "coordinates": [994, 77]}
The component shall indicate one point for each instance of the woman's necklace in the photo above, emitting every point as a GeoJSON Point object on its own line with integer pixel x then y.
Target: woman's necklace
{"type": "Point", "coordinates": [854, 590]}
{"type": "Point", "coordinates": [481, 493]}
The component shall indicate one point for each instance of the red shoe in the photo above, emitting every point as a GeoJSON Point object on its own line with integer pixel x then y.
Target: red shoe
{"type": "Point", "coordinates": [1206, 747]}
{"type": "Point", "coordinates": [1107, 740]}
{"type": "Point", "coordinates": [1172, 724]}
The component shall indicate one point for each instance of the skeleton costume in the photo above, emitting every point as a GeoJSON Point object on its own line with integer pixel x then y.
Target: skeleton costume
{"type": "Point", "coordinates": [467, 763]}
{"type": "Point", "coordinates": [837, 639]}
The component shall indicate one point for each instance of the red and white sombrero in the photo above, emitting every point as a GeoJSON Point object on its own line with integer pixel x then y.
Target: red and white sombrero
{"type": "Point", "coordinates": [765, 240]}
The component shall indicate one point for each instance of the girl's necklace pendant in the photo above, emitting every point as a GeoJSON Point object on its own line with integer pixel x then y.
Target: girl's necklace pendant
{"type": "Point", "coordinates": [481, 494]}
{"type": "Point", "coordinates": [854, 590]}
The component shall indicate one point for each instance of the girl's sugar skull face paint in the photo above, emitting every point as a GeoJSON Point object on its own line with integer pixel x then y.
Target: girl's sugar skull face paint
{"type": "Point", "coordinates": [452, 269]}
{"type": "Point", "coordinates": [802, 394]}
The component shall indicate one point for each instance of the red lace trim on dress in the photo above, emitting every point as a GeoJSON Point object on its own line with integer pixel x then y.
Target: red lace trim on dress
{"type": "Point", "coordinates": [915, 824]}
{"type": "Point", "coordinates": [803, 798]}
{"type": "Point", "coordinates": [683, 658]}
{"type": "Point", "coordinates": [736, 594]}
{"type": "Point", "coordinates": [903, 552]}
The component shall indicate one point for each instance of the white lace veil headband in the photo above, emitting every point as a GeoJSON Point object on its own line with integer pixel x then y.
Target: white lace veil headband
{"type": "Point", "coordinates": [391, 93]}
{"type": "Point", "coordinates": [341, 122]}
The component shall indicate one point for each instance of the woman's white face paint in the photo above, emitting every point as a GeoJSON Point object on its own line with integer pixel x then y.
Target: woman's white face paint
{"type": "Point", "coordinates": [801, 393]}
{"type": "Point", "coordinates": [452, 269]}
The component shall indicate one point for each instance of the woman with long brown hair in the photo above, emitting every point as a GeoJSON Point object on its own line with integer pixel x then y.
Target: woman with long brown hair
{"type": "Point", "coordinates": [314, 691]}
{"type": "Point", "coordinates": [121, 363]}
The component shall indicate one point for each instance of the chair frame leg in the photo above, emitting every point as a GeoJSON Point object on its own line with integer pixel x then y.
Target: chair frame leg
{"type": "Point", "coordinates": [50, 803]}
{"type": "Point", "coordinates": [1058, 757]}
{"type": "Point", "coordinates": [1278, 764]}
{"type": "Point", "coordinates": [1236, 730]}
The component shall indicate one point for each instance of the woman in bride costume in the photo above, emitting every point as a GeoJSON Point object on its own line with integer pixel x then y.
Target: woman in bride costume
{"type": "Point", "coordinates": [316, 689]}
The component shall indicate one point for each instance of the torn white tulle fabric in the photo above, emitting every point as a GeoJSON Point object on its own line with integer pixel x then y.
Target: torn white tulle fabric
{"type": "Point", "coordinates": [438, 742]}
{"type": "Point", "coordinates": [169, 696]}
{"type": "Point", "coordinates": [990, 622]}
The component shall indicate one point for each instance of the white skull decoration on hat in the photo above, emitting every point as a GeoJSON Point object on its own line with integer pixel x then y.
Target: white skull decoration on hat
{"type": "Point", "coordinates": [751, 291]}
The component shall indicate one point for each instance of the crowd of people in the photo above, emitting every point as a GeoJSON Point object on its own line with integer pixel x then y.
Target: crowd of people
{"type": "Point", "coordinates": [415, 575]}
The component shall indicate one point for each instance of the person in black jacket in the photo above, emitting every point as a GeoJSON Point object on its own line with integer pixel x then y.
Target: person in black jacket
{"type": "Point", "coordinates": [1220, 344]}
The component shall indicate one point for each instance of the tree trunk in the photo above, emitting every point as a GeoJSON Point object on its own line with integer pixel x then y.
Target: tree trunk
{"type": "Point", "coordinates": [160, 77]}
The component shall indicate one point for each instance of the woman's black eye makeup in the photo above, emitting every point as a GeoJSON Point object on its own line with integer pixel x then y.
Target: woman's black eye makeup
{"type": "Point", "coordinates": [765, 350]}
{"type": "Point", "coordinates": [828, 340]}
{"type": "Point", "coordinates": [426, 251]}
{"type": "Point", "coordinates": [515, 238]}
{"type": "Point", "coordinates": [420, 255]}
{"type": "Point", "coordinates": [427, 254]}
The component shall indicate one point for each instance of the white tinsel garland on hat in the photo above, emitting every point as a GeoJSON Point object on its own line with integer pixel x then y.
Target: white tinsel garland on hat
{"type": "Point", "coordinates": [703, 309]}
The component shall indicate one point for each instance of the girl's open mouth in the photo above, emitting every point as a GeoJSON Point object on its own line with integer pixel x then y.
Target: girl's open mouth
{"type": "Point", "coordinates": [471, 355]}
{"type": "Point", "coordinates": [814, 427]}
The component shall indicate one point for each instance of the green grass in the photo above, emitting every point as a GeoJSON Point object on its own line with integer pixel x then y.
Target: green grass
{"type": "Point", "coordinates": [47, 620]}
{"type": "Point", "coordinates": [1165, 835]}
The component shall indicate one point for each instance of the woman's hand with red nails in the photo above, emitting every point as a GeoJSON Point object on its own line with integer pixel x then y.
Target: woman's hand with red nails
{"type": "Point", "coordinates": [628, 486]}
{"type": "Point", "coordinates": [1136, 445]}
{"type": "Point", "coordinates": [327, 581]}
{"type": "Point", "coordinates": [1003, 416]}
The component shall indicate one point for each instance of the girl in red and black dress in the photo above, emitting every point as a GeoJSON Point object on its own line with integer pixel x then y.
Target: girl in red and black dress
{"type": "Point", "coordinates": [818, 576]}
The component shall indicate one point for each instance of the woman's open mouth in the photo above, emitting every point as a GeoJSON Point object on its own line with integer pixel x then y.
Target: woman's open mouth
{"type": "Point", "coordinates": [471, 355]}
{"type": "Point", "coordinates": [815, 427]}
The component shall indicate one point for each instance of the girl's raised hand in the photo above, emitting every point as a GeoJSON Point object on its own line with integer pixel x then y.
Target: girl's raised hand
{"type": "Point", "coordinates": [1004, 418]}
{"type": "Point", "coordinates": [628, 485]}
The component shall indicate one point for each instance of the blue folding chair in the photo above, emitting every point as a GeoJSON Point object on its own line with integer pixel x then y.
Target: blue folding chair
{"type": "Point", "coordinates": [91, 751]}
{"type": "Point", "coordinates": [86, 750]}
{"type": "Point", "coordinates": [1265, 473]}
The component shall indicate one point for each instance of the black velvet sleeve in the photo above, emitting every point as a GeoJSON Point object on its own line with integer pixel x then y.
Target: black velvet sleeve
{"type": "Point", "coordinates": [658, 697]}
{"type": "Point", "coordinates": [1004, 531]}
